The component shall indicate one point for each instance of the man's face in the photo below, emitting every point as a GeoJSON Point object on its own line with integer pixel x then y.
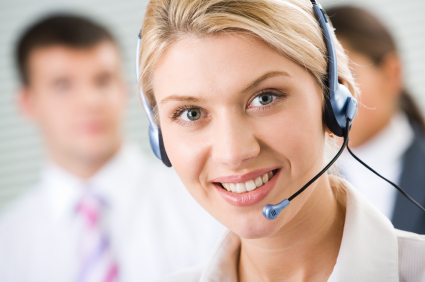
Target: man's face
{"type": "Point", "coordinates": [77, 97]}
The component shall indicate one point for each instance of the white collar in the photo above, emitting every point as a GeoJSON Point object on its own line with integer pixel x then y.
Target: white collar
{"type": "Point", "coordinates": [369, 247]}
{"type": "Point", "coordinates": [112, 181]}
{"type": "Point", "coordinates": [368, 252]}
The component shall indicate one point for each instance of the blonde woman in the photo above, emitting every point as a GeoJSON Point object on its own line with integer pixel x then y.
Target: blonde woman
{"type": "Point", "coordinates": [237, 89]}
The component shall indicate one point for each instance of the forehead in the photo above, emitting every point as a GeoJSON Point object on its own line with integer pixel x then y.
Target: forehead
{"type": "Point", "coordinates": [219, 63]}
{"type": "Point", "coordinates": [51, 60]}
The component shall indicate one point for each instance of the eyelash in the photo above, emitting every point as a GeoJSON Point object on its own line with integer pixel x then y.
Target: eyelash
{"type": "Point", "coordinates": [279, 96]}
{"type": "Point", "coordinates": [180, 110]}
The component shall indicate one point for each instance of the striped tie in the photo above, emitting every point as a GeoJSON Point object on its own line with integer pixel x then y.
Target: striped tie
{"type": "Point", "coordinates": [98, 264]}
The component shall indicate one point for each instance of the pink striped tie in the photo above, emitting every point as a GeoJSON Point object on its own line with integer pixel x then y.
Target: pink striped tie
{"type": "Point", "coordinates": [98, 264]}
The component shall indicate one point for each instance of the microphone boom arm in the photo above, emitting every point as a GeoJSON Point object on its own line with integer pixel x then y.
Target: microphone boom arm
{"type": "Point", "coordinates": [272, 211]}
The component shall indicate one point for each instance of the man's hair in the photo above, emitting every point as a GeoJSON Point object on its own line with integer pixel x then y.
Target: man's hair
{"type": "Point", "coordinates": [61, 29]}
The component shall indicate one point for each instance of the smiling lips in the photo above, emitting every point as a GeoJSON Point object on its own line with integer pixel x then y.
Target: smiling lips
{"type": "Point", "coordinates": [249, 185]}
{"type": "Point", "coordinates": [249, 189]}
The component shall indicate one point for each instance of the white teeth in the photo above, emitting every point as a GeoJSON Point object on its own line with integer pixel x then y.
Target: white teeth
{"type": "Point", "coordinates": [265, 178]}
{"type": "Point", "coordinates": [226, 186]}
{"type": "Point", "coordinates": [250, 185]}
{"type": "Point", "coordinates": [232, 187]}
{"type": "Point", "coordinates": [240, 188]}
{"type": "Point", "coordinates": [258, 181]}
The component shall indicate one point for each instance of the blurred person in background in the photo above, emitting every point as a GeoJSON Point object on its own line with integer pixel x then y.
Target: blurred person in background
{"type": "Point", "coordinates": [388, 133]}
{"type": "Point", "coordinates": [101, 211]}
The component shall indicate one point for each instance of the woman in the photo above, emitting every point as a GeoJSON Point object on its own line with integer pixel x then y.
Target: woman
{"type": "Point", "coordinates": [388, 132]}
{"type": "Point", "coordinates": [237, 88]}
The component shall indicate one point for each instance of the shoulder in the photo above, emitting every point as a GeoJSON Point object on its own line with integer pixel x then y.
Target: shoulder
{"type": "Point", "coordinates": [417, 147]}
{"type": "Point", "coordinates": [192, 274]}
{"type": "Point", "coordinates": [145, 166]}
{"type": "Point", "coordinates": [23, 210]}
{"type": "Point", "coordinates": [411, 245]}
{"type": "Point", "coordinates": [411, 250]}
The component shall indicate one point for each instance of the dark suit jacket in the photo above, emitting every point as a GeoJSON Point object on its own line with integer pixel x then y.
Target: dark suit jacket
{"type": "Point", "coordinates": [406, 215]}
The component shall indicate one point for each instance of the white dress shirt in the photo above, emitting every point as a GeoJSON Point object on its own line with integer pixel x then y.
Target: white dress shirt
{"type": "Point", "coordinates": [154, 225]}
{"type": "Point", "coordinates": [384, 153]}
{"type": "Point", "coordinates": [371, 249]}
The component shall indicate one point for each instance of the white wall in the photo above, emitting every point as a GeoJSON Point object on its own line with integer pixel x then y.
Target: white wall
{"type": "Point", "coordinates": [21, 153]}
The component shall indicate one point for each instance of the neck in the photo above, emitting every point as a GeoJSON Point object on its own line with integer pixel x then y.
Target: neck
{"type": "Point", "coordinates": [80, 165]}
{"type": "Point", "coordinates": [305, 249]}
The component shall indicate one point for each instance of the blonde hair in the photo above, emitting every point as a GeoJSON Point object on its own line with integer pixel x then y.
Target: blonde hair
{"type": "Point", "coordinates": [289, 26]}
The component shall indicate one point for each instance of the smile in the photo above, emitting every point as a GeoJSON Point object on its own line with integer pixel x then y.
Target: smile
{"type": "Point", "coordinates": [249, 185]}
{"type": "Point", "coordinates": [249, 189]}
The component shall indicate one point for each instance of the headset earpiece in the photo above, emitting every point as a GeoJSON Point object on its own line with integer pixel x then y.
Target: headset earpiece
{"type": "Point", "coordinates": [338, 108]}
{"type": "Point", "coordinates": [155, 134]}
{"type": "Point", "coordinates": [157, 143]}
{"type": "Point", "coordinates": [164, 156]}
{"type": "Point", "coordinates": [339, 103]}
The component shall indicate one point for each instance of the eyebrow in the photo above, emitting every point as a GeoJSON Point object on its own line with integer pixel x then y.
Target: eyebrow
{"type": "Point", "coordinates": [192, 99]}
{"type": "Point", "coordinates": [264, 77]}
{"type": "Point", "coordinates": [180, 98]}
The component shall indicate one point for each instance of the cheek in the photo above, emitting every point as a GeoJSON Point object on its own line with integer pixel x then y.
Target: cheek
{"type": "Point", "coordinates": [53, 116]}
{"type": "Point", "coordinates": [372, 101]}
{"type": "Point", "coordinates": [369, 83]}
{"type": "Point", "coordinates": [112, 112]}
{"type": "Point", "coordinates": [298, 139]}
{"type": "Point", "coordinates": [59, 116]}
{"type": "Point", "coordinates": [187, 153]}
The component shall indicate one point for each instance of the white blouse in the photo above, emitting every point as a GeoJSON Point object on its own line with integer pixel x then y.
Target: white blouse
{"type": "Point", "coordinates": [371, 249]}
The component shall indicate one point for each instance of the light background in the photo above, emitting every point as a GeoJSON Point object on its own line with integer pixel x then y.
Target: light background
{"type": "Point", "coordinates": [21, 150]}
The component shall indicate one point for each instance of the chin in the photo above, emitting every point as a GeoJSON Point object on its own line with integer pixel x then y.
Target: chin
{"type": "Point", "coordinates": [255, 226]}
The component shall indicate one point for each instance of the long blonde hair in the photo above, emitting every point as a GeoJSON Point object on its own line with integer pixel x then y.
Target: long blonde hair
{"type": "Point", "coordinates": [289, 26]}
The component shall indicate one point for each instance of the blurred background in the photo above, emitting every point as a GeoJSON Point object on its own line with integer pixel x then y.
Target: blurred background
{"type": "Point", "coordinates": [21, 153]}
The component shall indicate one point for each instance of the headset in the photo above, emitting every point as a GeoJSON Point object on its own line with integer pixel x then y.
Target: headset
{"type": "Point", "coordinates": [155, 135]}
{"type": "Point", "coordinates": [339, 113]}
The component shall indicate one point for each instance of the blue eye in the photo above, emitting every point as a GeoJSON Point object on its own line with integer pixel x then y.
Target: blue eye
{"type": "Point", "coordinates": [263, 99]}
{"type": "Point", "coordinates": [191, 114]}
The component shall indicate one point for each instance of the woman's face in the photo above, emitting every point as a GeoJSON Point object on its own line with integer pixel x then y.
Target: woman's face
{"type": "Point", "coordinates": [233, 111]}
{"type": "Point", "coordinates": [380, 87]}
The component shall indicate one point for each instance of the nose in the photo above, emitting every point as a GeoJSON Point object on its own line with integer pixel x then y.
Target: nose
{"type": "Point", "coordinates": [90, 97]}
{"type": "Point", "coordinates": [234, 142]}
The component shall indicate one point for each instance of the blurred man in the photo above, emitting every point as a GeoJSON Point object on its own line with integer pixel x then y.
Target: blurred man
{"type": "Point", "coordinates": [100, 211]}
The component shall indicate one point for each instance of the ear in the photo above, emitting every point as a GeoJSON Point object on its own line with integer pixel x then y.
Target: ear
{"type": "Point", "coordinates": [342, 81]}
{"type": "Point", "coordinates": [328, 131]}
{"type": "Point", "coordinates": [26, 103]}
